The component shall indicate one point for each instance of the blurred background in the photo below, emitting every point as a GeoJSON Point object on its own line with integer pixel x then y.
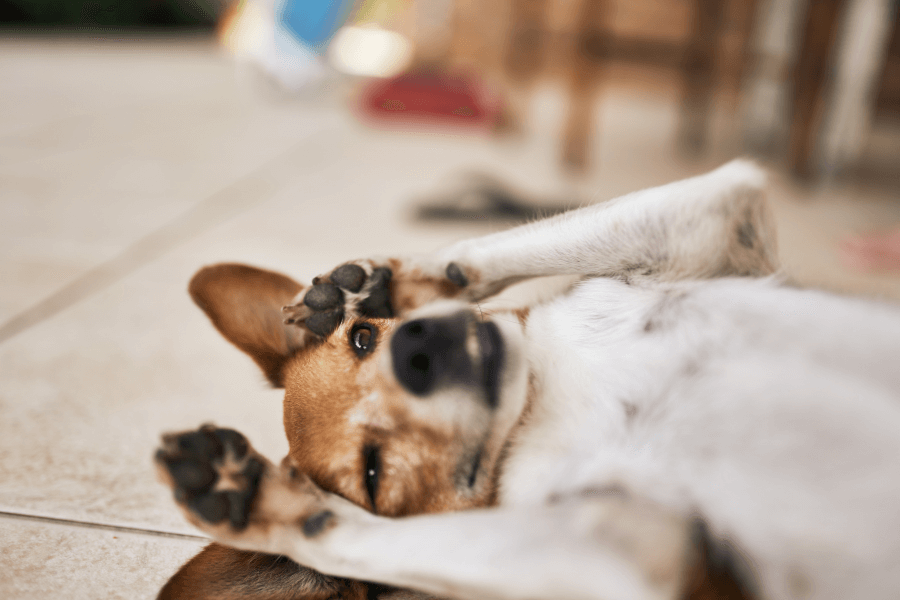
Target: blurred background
{"type": "Point", "coordinates": [143, 139]}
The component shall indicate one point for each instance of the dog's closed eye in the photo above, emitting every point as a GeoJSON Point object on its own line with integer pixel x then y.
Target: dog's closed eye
{"type": "Point", "coordinates": [362, 339]}
{"type": "Point", "coordinates": [371, 472]}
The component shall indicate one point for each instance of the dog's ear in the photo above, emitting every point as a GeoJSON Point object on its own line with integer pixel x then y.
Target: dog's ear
{"type": "Point", "coordinates": [244, 303]}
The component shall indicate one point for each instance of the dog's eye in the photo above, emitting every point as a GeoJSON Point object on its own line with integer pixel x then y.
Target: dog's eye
{"type": "Point", "coordinates": [362, 339]}
{"type": "Point", "coordinates": [371, 472]}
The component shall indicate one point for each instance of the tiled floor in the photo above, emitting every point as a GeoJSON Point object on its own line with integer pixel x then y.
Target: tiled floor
{"type": "Point", "coordinates": [124, 167]}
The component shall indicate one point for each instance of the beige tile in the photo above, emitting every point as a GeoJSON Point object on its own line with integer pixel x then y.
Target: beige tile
{"type": "Point", "coordinates": [57, 561]}
{"type": "Point", "coordinates": [101, 145]}
{"type": "Point", "coordinates": [87, 392]}
{"type": "Point", "coordinates": [814, 221]}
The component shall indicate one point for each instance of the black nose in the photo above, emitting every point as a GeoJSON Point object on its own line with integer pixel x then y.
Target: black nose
{"type": "Point", "coordinates": [428, 352]}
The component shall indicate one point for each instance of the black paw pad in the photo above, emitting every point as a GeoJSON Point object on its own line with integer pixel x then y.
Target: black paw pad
{"type": "Point", "coordinates": [378, 303]}
{"type": "Point", "coordinates": [324, 323]}
{"type": "Point", "coordinates": [381, 276]}
{"type": "Point", "coordinates": [349, 277]}
{"type": "Point", "coordinates": [194, 460]}
{"type": "Point", "coordinates": [456, 276]}
{"type": "Point", "coordinates": [192, 475]}
{"type": "Point", "coordinates": [324, 296]}
{"type": "Point", "coordinates": [202, 445]}
{"type": "Point", "coordinates": [213, 508]}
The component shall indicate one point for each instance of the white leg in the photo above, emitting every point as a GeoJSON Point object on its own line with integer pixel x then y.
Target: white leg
{"type": "Point", "coordinates": [614, 548]}
{"type": "Point", "coordinates": [606, 545]}
{"type": "Point", "coordinates": [708, 226]}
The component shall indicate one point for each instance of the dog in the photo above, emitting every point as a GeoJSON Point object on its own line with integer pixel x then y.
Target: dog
{"type": "Point", "coordinates": [678, 422]}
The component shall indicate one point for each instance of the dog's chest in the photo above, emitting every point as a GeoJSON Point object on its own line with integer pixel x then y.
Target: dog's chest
{"type": "Point", "coordinates": [651, 388]}
{"type": "Point", "coordinates": [603, 359]}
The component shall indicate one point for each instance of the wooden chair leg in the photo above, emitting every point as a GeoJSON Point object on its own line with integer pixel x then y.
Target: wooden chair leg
{"type": "Point", "coordinates": [576, 137]}
{"type": "Point", "coordinates": [699, 69]}
{"type": "Point", "coordinates": [809, 80]}
{"type": "Point", "coordinates": [589, 49]}
{"type": "Point", "coordinates": [527, 45]}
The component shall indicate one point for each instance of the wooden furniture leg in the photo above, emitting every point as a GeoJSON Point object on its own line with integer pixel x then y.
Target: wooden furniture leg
{"type": "Point", "coordinates": [699, 68]}
{"type": "Point", "coordinates": [588, 50]}
{"type": "Point", "coordinates": [809, 82]}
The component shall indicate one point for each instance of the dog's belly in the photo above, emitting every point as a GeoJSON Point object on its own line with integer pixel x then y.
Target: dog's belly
{"type": "Point", "coordinates": [773, 412]}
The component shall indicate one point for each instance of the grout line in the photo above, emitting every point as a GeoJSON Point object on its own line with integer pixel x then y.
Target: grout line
{"type": "Point", "coordinates": [251, 189]}
{"type": "Point", "coordinates": [89, 525]}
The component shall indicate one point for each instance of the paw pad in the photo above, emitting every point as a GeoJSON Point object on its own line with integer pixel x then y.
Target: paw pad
{"type": "Point", "coordinates": [324, 296]}
{"type": "Point", "coordinates": [324, 323]}
{"type": "Point", "coordinates": [349, 277]}
{"type": "Point", "coordinates": [199, 460]}
{"type": "Point", "coordinates": [378, 302]}
{"type": "Point", "coordinates": [327, 298]}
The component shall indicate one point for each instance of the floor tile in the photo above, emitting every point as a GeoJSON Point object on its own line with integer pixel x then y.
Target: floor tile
{"type": "Point", "coordinates": [101, 145]}
{"type": "Point", "coordinates": [58, 561]}
{"type": "Point", "coordinates": [812, 224]}
{"type": "Point", "coordinates": [88, 391]}
{"type": "Point", "coordinates": [125, 169]}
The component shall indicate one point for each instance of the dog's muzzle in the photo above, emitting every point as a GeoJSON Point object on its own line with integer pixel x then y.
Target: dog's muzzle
{"type": "Point", "coordinates": [431, 353]}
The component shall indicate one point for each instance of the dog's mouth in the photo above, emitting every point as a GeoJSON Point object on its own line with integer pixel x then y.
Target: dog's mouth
{"type": "Point", "coordinates": [490, 344]}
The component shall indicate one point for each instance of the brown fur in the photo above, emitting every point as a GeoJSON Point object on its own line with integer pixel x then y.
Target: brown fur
{"type": "Point", "coordinates": [336, 405]}
{"type": "Point", "coordinates": [412, 288]}
{"type": "Point", "coordinates": [325, 443]}
{"type": "Point", "coordinates": [244, 304]}
{"type": "Point", "coordinates": [225, 573]}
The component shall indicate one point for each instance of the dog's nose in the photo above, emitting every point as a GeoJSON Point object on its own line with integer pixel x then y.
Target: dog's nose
{"type": "Point", "coordinates": [427, 352]}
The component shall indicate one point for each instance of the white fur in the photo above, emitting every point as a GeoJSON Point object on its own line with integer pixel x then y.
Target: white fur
{"type": "Point", "coordinates": [684, 372]}
{"type": "Point", "coordinates": [772, 412]}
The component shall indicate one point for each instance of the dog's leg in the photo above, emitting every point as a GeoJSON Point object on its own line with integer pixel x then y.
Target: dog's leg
{"type": "Point", "coordinates": [713, 225]}
{"type": "Point", "coordinates": [376, 288]}
{"type": "Point", "coordinates": [608, 546]}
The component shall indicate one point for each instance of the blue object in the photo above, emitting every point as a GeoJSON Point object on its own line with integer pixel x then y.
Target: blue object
{"type": "Point", "coordinates": [313, 21]}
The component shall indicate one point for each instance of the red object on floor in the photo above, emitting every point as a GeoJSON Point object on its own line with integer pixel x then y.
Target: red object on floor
{"type": "Point", "coordinates": [430, 98]}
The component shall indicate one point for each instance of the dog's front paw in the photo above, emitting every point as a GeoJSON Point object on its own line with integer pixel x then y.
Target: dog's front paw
{"type": "Point", "coordinates": [228, 490]}
{"type": "Point", "coordinates": [359, 288]}
{"type": "Point", "coordinates": [371, 289]}
{"type": "Point", "coordinates": [214, 473]}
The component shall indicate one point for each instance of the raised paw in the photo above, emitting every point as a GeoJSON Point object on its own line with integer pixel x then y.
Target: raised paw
{"type": "Point", "coordinates": [360, 288]}
{"type": "Point", "coordinates": [375, 289]}
{"type": "Point", "coordinates": [371, 289]}
{"type": "Point", "coordinates": [214, 473]}
{"type": "Point", "coordinates": [240, 499]}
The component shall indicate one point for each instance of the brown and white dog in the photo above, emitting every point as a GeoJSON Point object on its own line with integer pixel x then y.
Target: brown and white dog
{"type": "Point", "coordinates": [678, 423]}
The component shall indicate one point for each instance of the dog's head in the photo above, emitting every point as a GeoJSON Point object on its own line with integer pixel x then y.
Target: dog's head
{"type": "Point", "coordinates": [399, 415]}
